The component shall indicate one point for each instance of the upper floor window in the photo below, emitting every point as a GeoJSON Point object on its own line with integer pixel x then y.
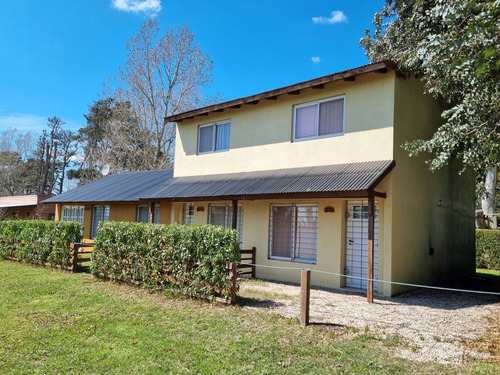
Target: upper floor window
{"type": "Point", "coordinates": [214, 137]}
{"type": "Point", "coordinates": [319, 119]}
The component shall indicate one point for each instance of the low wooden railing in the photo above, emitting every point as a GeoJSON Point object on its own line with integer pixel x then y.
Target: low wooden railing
{"type": "Point", "coordinates": [80, 253]}
{"type": "Point", "coordinates": [247, 256]}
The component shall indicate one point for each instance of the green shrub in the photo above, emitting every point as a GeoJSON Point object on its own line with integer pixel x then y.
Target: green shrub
{"type": "Point", "coordinates": [488, 249]}
{"type": "Point", "coordinates": [192, 257]}
{"type": "Point", "coordinates": [44, 241]}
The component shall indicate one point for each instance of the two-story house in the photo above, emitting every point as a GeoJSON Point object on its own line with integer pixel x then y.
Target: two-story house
{"type": "Point", "coordinates": [313, 175]}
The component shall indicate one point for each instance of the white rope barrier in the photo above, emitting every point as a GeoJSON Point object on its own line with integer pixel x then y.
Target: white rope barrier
{"type": "Point", "coordinates": [379, 281]}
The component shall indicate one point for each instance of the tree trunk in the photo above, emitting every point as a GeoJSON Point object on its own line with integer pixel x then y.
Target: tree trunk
{"type": "Point", "coordinates": [488, 203]}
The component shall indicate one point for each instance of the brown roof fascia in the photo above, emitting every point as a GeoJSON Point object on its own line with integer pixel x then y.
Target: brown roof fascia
{"type": "Point", "coordinates": [347, 75]}
{"type": "Point", "coordinates": [305, 195]}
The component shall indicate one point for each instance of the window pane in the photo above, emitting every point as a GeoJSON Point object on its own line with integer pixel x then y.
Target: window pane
{"type": "Point", "coordinates": [99, 213]}
{"type": "Point", "coordinates": [306, 239]}
{"type": "Point", "coordinates": [281, 231]}
{"type": "Point", "coordinates": [157, 214]}
{"type": "Point", "coordinates": [331, 117]}
{"type": "Point", "coordinates": [217, 215]}
{"type": "Point", "coordinates": [188, 213]}
{"type": "Point", "coordinates": [306, 121]}
{"type": "Point", "coordinates": [206, 139]}
{"type": "Point", "coordinates": [223, 135]}
{"type": "Point", "coordinates": [143, 214]}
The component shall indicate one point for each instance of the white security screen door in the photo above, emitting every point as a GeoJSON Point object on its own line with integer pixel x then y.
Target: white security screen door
{"type": "Point", "coordinates": [357, 245]}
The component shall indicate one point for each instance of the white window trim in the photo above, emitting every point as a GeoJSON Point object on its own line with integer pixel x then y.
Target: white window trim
{"type": "Point", "coordinates": [214, 137]}
{"type": "Point", "coordinates": [318, 102]}
{"type": "Point", "coordinates": [293, 250]}
{"type": "Point", "coordinates": [71, 207]}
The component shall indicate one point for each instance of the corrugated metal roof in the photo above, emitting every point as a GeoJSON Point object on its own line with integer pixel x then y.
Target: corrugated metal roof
{"type": "Point", "coordinates": [161, 185]}
{"type": "Point", "coordinates": [353, 177]}
{"type": "Point", "coordinates": [122, 187]}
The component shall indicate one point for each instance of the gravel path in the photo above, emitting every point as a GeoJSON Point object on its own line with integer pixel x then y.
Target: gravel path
{"type": "Point", "coordinates": [432, 324]}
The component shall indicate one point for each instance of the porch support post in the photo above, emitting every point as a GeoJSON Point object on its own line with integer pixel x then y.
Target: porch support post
{"type": "Point", "coordinates": [152, 212]}
{"type": "Point", "coordinates": [371, 244]}
{"type": "Point", "coordinates": [234, 224]}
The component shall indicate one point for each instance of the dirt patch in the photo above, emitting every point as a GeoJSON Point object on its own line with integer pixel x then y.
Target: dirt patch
{"type": "Point", "coordinates": [428, 325]}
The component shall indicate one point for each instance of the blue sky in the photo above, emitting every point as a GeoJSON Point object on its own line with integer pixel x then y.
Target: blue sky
{"type": "Point", "coordinates": [56, 54]}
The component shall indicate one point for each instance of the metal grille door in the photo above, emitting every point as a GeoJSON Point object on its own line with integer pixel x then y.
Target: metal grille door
{"type": "Point", "coordinates": [357, 244]}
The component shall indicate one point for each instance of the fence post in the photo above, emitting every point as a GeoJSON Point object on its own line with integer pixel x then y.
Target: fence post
{"type": "Point", "coordinates": [234, 275]}
{"type": "Point", "coordinates": [254, 250]}
{"type": "Point", "coordinates": [305, 293]}
{"type": "Point", "coordinates": [74, 260]}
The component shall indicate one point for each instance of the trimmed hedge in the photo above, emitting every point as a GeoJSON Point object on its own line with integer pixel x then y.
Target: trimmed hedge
{"type": "Point", "coordinates": [488, 249]}
{"type": "Point", "coordinates": [192, 257]}
{"type": "Point", "coordinates": [45, 241]}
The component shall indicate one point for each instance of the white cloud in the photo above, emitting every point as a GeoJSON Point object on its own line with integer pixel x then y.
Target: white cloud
{"type": "Point", "coordinates": [23, 122]}
{"type": "Point", "coordinates": [136, 6]}
{"type": "Point", "coordinates": [336, 16]}
{"type": "Point", "coordinates": [315, 59]}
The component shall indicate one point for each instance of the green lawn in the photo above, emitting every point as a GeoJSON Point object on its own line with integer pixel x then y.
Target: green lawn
{"type": "Point", "coordinates": [488, 273]}
{"type": "Point", "coordinates": [53, 322]}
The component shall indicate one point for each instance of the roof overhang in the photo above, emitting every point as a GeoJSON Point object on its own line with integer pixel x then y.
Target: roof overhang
{"type": "Point", "coordinates": [317, 83]}
{"type": "Point", "coordinates": [353, 180]}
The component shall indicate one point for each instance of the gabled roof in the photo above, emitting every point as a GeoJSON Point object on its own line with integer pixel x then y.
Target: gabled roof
{"type": "Point", "coordinates": [317, 83]}
{"type": "Point", "coordinates": [341, 180]}
{"type": "Point", "coordinates": [122, 187]}
{"type": "Point", "coordinates": [21, 200]}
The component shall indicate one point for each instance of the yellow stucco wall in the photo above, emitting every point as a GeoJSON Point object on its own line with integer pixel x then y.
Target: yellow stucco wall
{"type": "Point", "coordinates": [261, 135]}
{"type": "Point", "coordinates": [419, 223]}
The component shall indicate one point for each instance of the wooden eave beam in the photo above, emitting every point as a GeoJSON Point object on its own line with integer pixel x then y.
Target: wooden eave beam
{"type": "Point", "coordinates": [381, 67]}
{"type": "Point", "coordinates": [253, 102]}
{"type": "Point", "coordinates": [318, 87]}
{"type": "Point", "coordinates": [275, 97]}
{"type": "Point", "coordinates": [349, 79]}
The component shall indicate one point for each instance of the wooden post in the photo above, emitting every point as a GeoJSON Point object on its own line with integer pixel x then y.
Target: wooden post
{"type": "Point", "coordinates": [234, 224]}
{"type": "Point", "coordinates": [234, 275]}
{"type": "Point", "coordinates": [152, 212]}
{"type": "Point", "coordinates": [254, 250]}
{"type": "Point", "coordinates": [371, 244]}
{"type": "Point", "coordinates": [74, 259]}
{"type": "Point", "coordinates": [305, 294]}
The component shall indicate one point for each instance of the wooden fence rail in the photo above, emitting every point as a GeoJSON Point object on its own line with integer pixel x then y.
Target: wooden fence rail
{"type": "Point", "coordinates": [247, 256]}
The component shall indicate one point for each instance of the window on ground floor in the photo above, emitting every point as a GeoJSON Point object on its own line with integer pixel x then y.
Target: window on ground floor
{"type": "Point", "coordinates": [222, 214]}
{"type": "Point", "coordinates": [73, 213]}
{"type": "Point", "coordinates": [143, 214]}
{"type": "Point", "coordinates": [99, 213]}
{"type": "Point", "coordinates": [188, 213]}
{"type": "Point", "coordinates": [293, 232]}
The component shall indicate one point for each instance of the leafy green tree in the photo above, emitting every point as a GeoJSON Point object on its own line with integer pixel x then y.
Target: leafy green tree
{"type": "Point", "coordinates": [454, 46]}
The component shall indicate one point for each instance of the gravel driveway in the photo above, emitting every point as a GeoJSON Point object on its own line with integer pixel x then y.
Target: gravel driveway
{"type": "Point", "coordinates": [432, 324]}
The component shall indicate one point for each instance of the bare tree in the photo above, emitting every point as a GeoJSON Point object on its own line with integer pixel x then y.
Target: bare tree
{"type": "Point", "coordinates": [163, 75]}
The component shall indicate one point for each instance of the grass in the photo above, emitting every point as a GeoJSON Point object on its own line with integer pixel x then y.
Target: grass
{"type": "Point", "coordinates": [488, 273]}
{"type": "Point", "coordinates": [53, 322]}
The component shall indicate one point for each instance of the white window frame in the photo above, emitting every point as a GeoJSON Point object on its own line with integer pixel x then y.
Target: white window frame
{"type": "Point", "coordinates": [215, 125]}
{"type": "Point", "coordinates": [293, 250]}
{"type": "Point", "coordinates": [157, 213]}
{"type": "Point", "coordinates": [228, 214]}
{"type": "Point", "coordinates": [74, 213]}
{"type": "Point", "coordinates": [318, 104]}
{"type": "Point", "coordinates": [188, 213]}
